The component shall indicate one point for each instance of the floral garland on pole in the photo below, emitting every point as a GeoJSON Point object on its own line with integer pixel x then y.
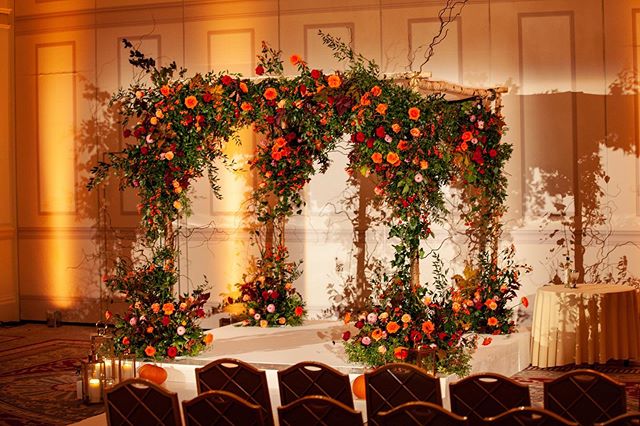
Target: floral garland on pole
{"type": "Point", "coordinates": [295, 117]}
{"type": "Point", "coordinates": [175, 129]}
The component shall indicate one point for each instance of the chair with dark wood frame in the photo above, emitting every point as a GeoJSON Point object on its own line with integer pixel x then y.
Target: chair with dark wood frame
{"type": "Point", "coordinates": [585, 397]}
{"type": "Point", "coordinates": [136, 402]}
{"type": "Point", "coordinates": [631, 418]}
{"type": "Point", "coordinates": [394, 384]}
{"type": "Point", "coordinates": [239, 378]}
{"type": "Point", "coordinates": [528, 416]}
{"type": "Point", "coordinates": [313, 378]}
{"type": "Point", "coordinates": [486, 395]}
{"type": "Point", "coordinates": [418, 413]}
{"type": "Point", "coordinates": [317, 410]}
{"type": "Point", "coordinates": [221, 408]}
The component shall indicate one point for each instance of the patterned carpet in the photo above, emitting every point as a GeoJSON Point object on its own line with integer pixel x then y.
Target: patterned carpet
{"type": "Point", "coordinates": [629, 375]}
{"type": "Point", "coordinates": [38, 374]}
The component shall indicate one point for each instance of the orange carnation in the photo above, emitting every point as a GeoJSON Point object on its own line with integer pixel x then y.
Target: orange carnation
{"type": "Point", "coordinates": [392, 158]}
{"type": "Point", "coordinates": [414, 113]}
{"type": "Point", "coordinates": [492, 321]}
{"type": "Point", "coordinates": [392, 327]}
{"type": "Point", "coordinates": [334, 81]}
{"type": "Point", "coordinates": [376, 334]}
{"type": "Point", "coordinates": [208, 338]}
{"type": "Point", "coordinates": [382, 109]}
{"type": "Point", "coordinates": [376, 157]}
{"type": "Point", "coordinates": [270, 93]}
{"type": "Point", "coordinates": [150, 350]}
{"type": "Point", "coordinates": [190, 102]}
{"type": "Point", "coordinates": [376, 91]}
{"type": "Point", "coordinates": [168, 308]}
{"type": "Point", "coordinates": [428, 327]}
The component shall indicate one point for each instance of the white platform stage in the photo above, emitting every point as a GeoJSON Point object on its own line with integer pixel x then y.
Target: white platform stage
{"type": "Point", "coordinates": [273, 349]}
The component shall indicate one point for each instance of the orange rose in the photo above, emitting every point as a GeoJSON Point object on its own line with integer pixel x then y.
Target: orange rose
{"type": "Point", "coordinates": [190, 102]}
{"type": "Point", "coordinates": [282, 320]}
{"type": "Point", "coordinates": [467, 136]}
{"type": "Point", "coordinates": [334, 81]}
{"type": "Point", "coordinates": [424, 164]}
{"type": "Point", "coordinates": [492, 321]}
{"type": "Point", "coordinates": [376, 334]}
{"type": "Point", "coordinates": [264, 323]}
{"type": "Point", "coordinates": [295, 59]}
{"type": "Point", "coordinates": [243, 87]}
{"type": "Point", "coordinates": [395, 127]}
{"type": "Point", "coordinates": [382, 109]}
{"type": "Point", "coordinates": [280, 143]}
{"type": "Point", "coordinates": [414, 113]}
{"type": "Point", "coordinates": [428, 327]}
{"type": "Point", "coordinates": [392, 327]}
{"type": "Point", "coordinates": [376, 91]}
{"type": "Point", "coordinates": [246, 106]}
{"type": "Point", "coordinates": [208, 338]}
{"type": "Point", "coordinates": [392, 158]}
{"type": "Point", "coordinates": [415, 132]}
{"type": "Point", "coordinates": [150, 351]}
{"type": "Point", "coordinates": [149, 330]}
{"type": "Point", "coordinates": [402, 145]}
{"type": "Point", "coordinates": [165, 90]}
{"type": "Point", "coordinates": [155, 308]}
{"type": "Point", "coordinates": [406, 318]}
{"type": "Point", "coordinates": [364, 100]}
{"type": "Point", "coordinates": [525, 302]}
{"type": "Point", "coordinates": [299, 311]}
{"type": "Point", "coordinates": [168, 308]}
{"type": "Point", "coordinates": [463, 146]}
{"type": "Point", "coordinates": [270, 93]}
{"type": "Point", "coordinates": [376, 157]}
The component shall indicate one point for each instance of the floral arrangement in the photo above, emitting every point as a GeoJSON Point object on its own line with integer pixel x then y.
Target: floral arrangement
{"type": "Point", "coordinates": [156, 325]}
{"type": "Point", "coordinates": [268, 294]}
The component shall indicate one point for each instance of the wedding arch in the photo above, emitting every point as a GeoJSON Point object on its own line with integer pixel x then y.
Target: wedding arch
{"type": "Point", "coordinates": [411, 142]}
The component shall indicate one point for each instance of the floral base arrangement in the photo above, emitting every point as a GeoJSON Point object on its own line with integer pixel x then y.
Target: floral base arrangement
{"type": "Point", "coordinates": [156, 325]}
{"type": "Point", "coordinates": [268, 294]}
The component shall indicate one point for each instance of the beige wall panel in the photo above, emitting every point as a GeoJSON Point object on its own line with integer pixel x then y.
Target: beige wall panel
{"type": "Point", "coordinates": [61, 278]}
{"type": "Point", "coordinates": [547, 77]}
{"type": "Point", "coordinates": [9, 306]}
{"type": "Point", "coordinates": [56, 126]}
{"type": "Point", "coordinates": [7, 148]}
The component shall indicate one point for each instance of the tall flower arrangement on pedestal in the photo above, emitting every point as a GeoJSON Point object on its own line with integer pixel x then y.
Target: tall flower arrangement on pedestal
{"type": "Point", "coordinates": [174, 128]}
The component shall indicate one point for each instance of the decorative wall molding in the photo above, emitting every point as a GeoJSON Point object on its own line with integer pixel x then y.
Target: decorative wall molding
{"type": "Point", "coordinates": [5, 18]}
{"type": "Point", "coordinates": [78, 233]}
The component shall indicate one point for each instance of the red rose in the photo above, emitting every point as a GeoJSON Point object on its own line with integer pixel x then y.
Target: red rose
{"type": "Point", "coordinates": [259, 70]}
{"type": "Point", "coordinates": [492, 153]}
{"type": "Point", "coordinates": [226, 80]}
{"type": "Point", "coordinates": [166, 320]}
{"type": "Point", "coordinates": [126, 133]}
{"type": "Point", "coordinates": [346, 335]}
{"type": "Point", "coordinates": [360, 137]}
{"type": "Point", "coordinates": [370, 142]}
{"type": "Point", "coordinates": [206, 98]}
{"type": "Point", "coordinates": [315, 74]}
{"type": "Point", "coordinates": [442, 335]}
{"type": "Point", "coordinates": [477, 156]}
{"type": "Point", "coordinates": [265, 295]}
{"type": "Point", "coordinates": [380, 132]}
{"type": "Point", "coordinates": [125, 341]}
{"type": "Point", "coordinates": [274, 295]}
{"type": "Point", "coordinates": [299, 311]}
{"type": "Point", "coordinates": [360, 324]}
{"type": "Point", "coordinates": [144, 150]}
{"type": "Point", "coordinates": [172, 351]}
{"type": "Point", "coordinates": [200, 313]}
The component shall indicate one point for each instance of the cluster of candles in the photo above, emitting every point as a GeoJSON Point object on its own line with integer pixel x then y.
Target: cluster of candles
{"type": "Point", "coordinates": [103, 368]}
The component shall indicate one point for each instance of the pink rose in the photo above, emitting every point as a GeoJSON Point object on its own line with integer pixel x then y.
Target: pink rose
{"type": "Point", "coordinates": [271, 308]}
{"type": "Point", "coordinates": [372, 318]}
{"type": "Point", "coordinates": [418, 178]}
{"type": "Point", "coordinates": [181, 330]}
{"type": "Point", "coordinates": [366, 340]}
{"type": "Point", "coordinates": [133, 321]}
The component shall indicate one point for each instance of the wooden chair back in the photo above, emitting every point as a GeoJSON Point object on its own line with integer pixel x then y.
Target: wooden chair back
{"type": "Point", "coordinates": [221, 408]}
{"type": "Point", "coordinates": [394, 384]}
{"type": "Point", "coordinates": [316, 410]}
{"type": "Point", "coordinates": [528, 416]}
{"type": "Point", "coordinates": [238, 378]}
{"type": "Point", "coordinates": [419, 413]}
{"type": "Point", "coordinates": [486, 395]}
{"type": "Point", "coordinates": [314, 378]}
{"type": "Point", "coordinates": [585, 397]}
{"type": "Point", "coordinates": [631, 418]}
{"type": "Point", "coordinates": [136, 402]}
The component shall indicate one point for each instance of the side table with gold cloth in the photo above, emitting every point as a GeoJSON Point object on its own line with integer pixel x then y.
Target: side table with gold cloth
{"type": "Point", "coordinates": [588, 324]}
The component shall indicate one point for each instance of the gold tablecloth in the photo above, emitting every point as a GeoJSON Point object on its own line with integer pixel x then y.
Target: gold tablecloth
{"type": "Point", "coordinates": [588, 324]}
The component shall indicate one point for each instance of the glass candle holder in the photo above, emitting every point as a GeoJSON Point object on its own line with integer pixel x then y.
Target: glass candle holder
{"type": "Point", "coordinates": [127, 367]}
{"type": "Point", "coordinates": [92, 372]}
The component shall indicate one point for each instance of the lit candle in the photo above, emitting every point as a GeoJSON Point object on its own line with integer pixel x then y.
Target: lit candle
{"type": "Point", "coordinates": [127, 371]}
{"type": "Point", "coordinates": [94, 391]}
{"type": "Point", "coordinates": [108, 366]}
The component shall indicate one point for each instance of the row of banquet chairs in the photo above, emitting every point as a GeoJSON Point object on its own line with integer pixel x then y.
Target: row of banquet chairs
{"type": "Point", "coordinates": [231, 392]}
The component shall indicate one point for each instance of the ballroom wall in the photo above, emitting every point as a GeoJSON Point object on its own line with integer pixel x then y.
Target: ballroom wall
{"type": "Point", "coordinates": [572, 113]}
